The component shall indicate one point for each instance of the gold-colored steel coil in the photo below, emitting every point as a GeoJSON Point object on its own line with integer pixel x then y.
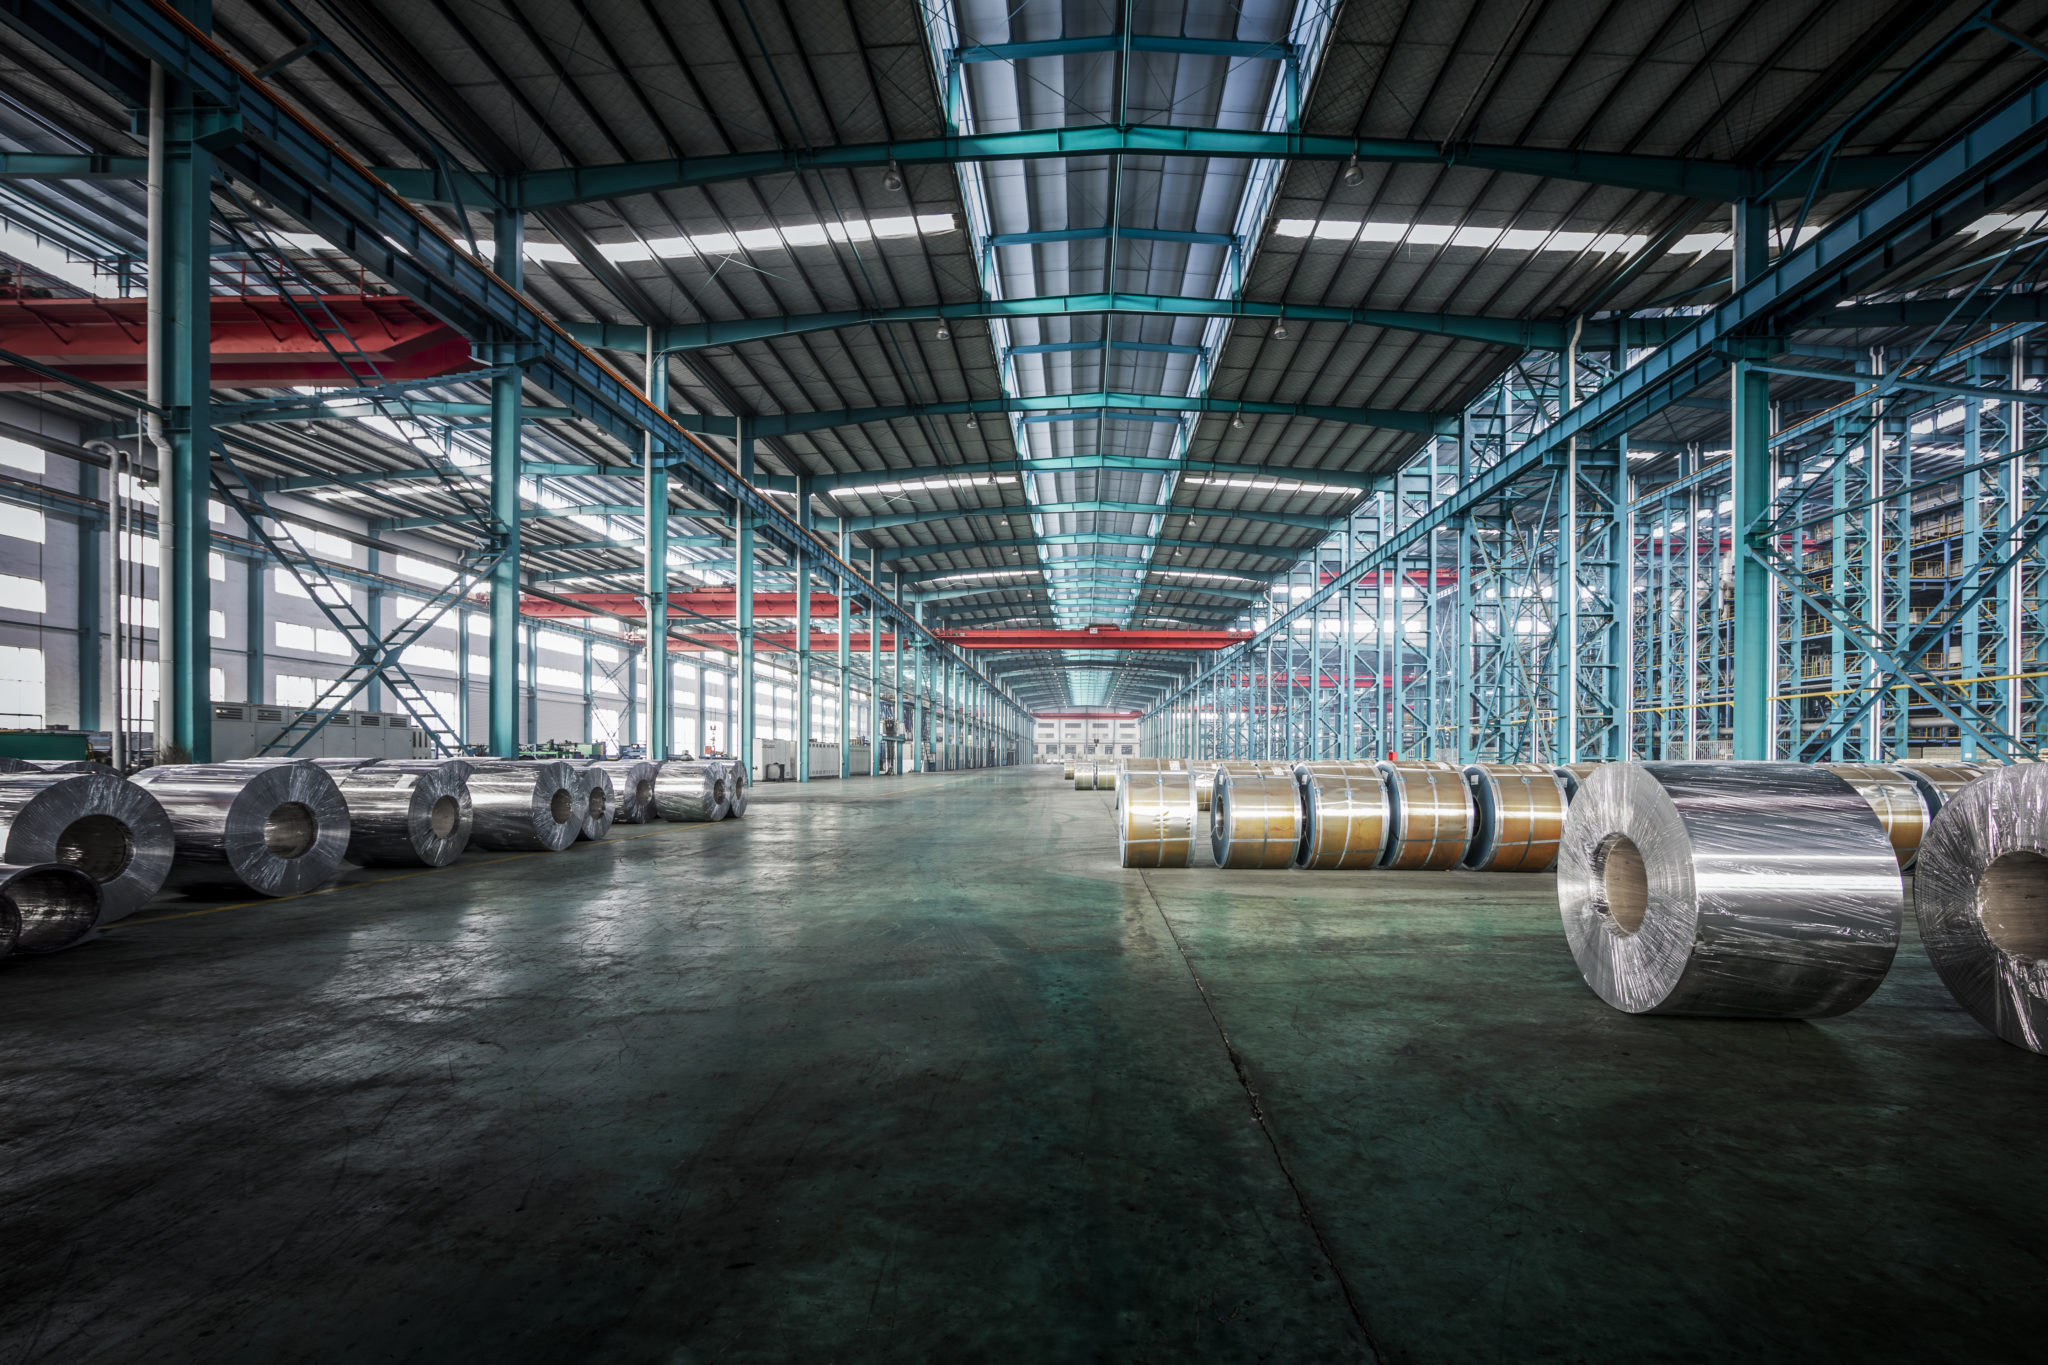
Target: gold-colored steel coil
{"type": "Point", "coordinates": [1517, 816]}
{"type": "Point", "coordinates": [1345, 816]}
{"type": "Point", "coordinates": [1897, 801]}
{"type": "Point", "coordinates": [1432, 815]}
{"type": "Point", "coordinates": [1205, 775]}
{"type": "Point", "coordinates": [1070, 771]}
{"type": "Point", "coordinates": [1155, 765]}
{"type": "Point", "coordinates": [1155, 818]}
{"type": "Point", "coordinates": [1084, 775]}
{"type": "Point", "coordinates": [1254, 817]}
{"type": "Point", "coordinates": [1571, 774]}
{"type": "Point", "coordinates": [1939, 781]}
{"type": "Point", "coordinates": [1105, 777]}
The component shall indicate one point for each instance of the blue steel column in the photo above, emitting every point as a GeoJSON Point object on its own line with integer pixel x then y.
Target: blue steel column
{"type": "Point", "coordinates": [509, 234]}
{"type": "Point", "coordinates": [875, 664]}
{"type": "Point", "coordinates": [184, 342]}
{"type": "Point", "coordinates": [743, 748]}
{"type": "Point", "coordinates": [91, 552]}
{"type": "Point", "coordinates": [1463, 669]}
{"type": "Point", "coordinates": [1751, 468]}
{"type": "Point", "coordinates": [803, 634]}
{"type": "Point", "coordinates": [845, 590]}
{"type": "Point", "coordinates": [661, 709]}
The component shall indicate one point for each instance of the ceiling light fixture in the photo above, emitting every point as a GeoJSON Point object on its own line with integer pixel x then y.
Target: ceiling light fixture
{"type": "Point", "coordinates": [971, 423]}
{"type": "Point", "coordinates": [892, 179]}
{"type": "Point", "coordinates": [1238, 422]}
{"type": "Point", "coordinates": [1354, 174]}
{"type": "Point", "coordinates": [1280, 329]}
{"type": "Point", "coordinates": [943, 333]}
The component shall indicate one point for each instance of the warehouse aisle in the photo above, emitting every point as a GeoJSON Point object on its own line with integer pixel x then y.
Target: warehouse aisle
{"type": "Point", "coordinates": [910, 1070]}
{"type": "Point", "coordinates": [896, 1070]}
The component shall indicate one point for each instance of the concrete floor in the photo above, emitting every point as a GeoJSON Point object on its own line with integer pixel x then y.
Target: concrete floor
{"type": "Point", "coordinates": [910, 1070]}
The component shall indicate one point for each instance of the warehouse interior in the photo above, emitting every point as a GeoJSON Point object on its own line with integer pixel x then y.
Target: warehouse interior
{"type": "Point", "coordinates": [1077, 679]}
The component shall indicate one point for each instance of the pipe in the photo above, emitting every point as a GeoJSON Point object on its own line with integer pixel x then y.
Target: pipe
{"type": "Point", "coordinates": [153, 424]}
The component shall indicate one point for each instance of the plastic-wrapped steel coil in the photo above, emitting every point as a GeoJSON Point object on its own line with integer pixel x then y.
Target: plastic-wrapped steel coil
{"type": "Point", "coordinates": [1254, 818]}
{"type": "Point", "coordinates": [1940, 781]}
{"type": "Point", "coordinates": [64, 765]}
{"type": "Point", "coordinates": [691, 789]}
{"type": "Point", "coordinates": [406, 818]}
{"type": "Point", "coordinates": [598, 801]}
{"type": "Point", "coordinates": [525, 807]}
{"type": "Point", "coordinates": [1981, 896]}
{"type": "Point", "coordinates": [107, 827]}
{"type": "Point", "coordinates": [736, 782]}
{"type": "Point", "coordinates": [14, 765]}
{"type": "Point", "coordinates": [1738, 890]}
{"type": "Point", "coordinates": [1897, 801]}
{"type": "Point", "coordinates": [457, 769]}
{"type": "Point", "coordinates": [1432, 815]}
{"type": "Point", "coordinates": [276, 830]}
{"type": "Point", "coordinates": [1155, 819]}
{"type": "Point", "coordinates": [632, 790]}
{"type": "Point", "coordinates": [1345, 816]}
{"type": "Point", "coordinates": [1517, 816]}
{"type": "Point", "coordinates": [45, 907]}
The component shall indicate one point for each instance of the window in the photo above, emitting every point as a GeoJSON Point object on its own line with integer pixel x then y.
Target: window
{"type": "Point", "coordinates": [428, 656]}
{"type": "Point", "coordinates": [419, 571]}
{"type": "Point", "coordinates": [21, 456]}
{"type": "Point", "coordinates": [714, 736]}
{"type": "Point", "coordinates": [216, 683]}
{"type": "Point", "coordinates": [21, 685]}
{"type": "Point", "coordinates": [607, 653]}
{"type": "Point", "coordinates": [140, 611]}
{"type": "Point", "coordinates": [559, 677]}
{"type": "Point", "coordinates": [310, 639]}
{"type": "Point", "coordinates": [217, 626]}
{"type": "Point", "coordinates": [605, 726]}
{"type": "Point", "coordinates": [23, 594]}
{"type": "Point", "coordinates": [291, 690]}
{"type": "Point", "coordinates": [686, 673]}
{"type": "Point", "coordinates": [282, 580]}
{"type": "Point", "coordinates": [140, 692]}
{"type": "Point", "coordinates": [321, 542]}
{"type": "Point", "coordinates": [23, 523]}
{"type": "Point", "coordinates": [444, 706]}
{"type": "Point", "coordinates": [601, 682]}
{"type": "Point", "coordinates": [559, 643]}
{"type": "Point", "coordinates": [216, 567]}
{"type": "Point", "coordinates": [479, 625]}
{"type": "Point", "coordinates": [479, 664]}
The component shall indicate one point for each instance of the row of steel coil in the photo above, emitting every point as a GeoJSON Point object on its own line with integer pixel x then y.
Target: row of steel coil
{"type": "Point", "coordinates": [82, 847]}
{"type": "Point", "coordinates": [1720, 889]}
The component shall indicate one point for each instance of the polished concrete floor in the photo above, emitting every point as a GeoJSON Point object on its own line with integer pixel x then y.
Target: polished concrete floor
{"type": "Point", "coordinates": [909, 1070]}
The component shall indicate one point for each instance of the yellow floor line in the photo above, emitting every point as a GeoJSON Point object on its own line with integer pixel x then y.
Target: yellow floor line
{"type": "Point", "coordinates": [406, 876]}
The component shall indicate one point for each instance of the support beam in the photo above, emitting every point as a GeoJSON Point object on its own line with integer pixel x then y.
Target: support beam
{"type": "Point", "coordinates": [509, 231]}
{"type": "Point", "coordinates": [1520, 333]}
{"type": "Point", "coordinates": [1691, 177]}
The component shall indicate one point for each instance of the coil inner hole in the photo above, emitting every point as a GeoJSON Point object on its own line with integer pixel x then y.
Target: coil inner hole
{"type": "Point", "coordinates": [97, 845]}
{"type": "Point", "coordinates": [717, 790]}
{"type": "Point", "coordinates": [595, 803]}
{"type": "Point", "coordinates": [444, 817]}
{"type": "Point", "coordinates": [290, 829]}
{"type": "Point", "coordinates": [1622, 890]}
{"type": "Point", "coordinates": [561, 806]}
{"type": "Point", "coordinates": [643, 793]}
{"type": "Point", "coordinates": [2012, 903]}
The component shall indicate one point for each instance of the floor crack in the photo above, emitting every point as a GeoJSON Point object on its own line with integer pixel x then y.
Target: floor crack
{"type": "Point", "coordinates": [1265, 1128]}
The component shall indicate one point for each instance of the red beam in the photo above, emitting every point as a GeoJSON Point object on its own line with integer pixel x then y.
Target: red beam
{"type": "Point", "coordinates": [257, 341]}
{"type": "Point", "coordinates": [1094, 637]}
{"type": "Point", "coordinates": [783, 641]}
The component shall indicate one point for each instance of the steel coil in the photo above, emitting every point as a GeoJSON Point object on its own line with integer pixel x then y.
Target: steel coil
{"type": "Point", "coordinates": [1255, 818]}
{"type": "Point", "coordinates": [457, 769]}
{"type": "Point", "coordinates": [276, 830]}
{"type": "Point", "coordinates": [1898, 802]}
{"type": "Point", "coordinates": [1084, 775]}
{"type": "Point", "coordinates": [1981, 896]}
{"type": "Point", "coordinates": [1345, 816]}
{"type": "Point", "coordinates": [1433, 815]}
{"type": "Point", "coordinates": [1155, 818]}
{"type": "Point", "coordinates": [64, 765]}
{"type": "Point", "coordinates": [597, 801]}
{"type": "Point", "coordinates": [45, 907]}
{"type": "Point", "coordinates": [692, 789]}
{"type": "Point", "coordinates": [1069, 774]}
{"type": "Point", "coordinates": [1517, 816]}
{"type": "Point", "coordinates": [13, 765]}
{"type": "Point", "coordinates": [1739, 890]}
{"type": "Point", "coordinates": [1940, 781]}
{"type": "Point", "coordinates": [406, 818]}
{"type": "Point", "coordinates": [632, 790]}
{"type": "Point", "coordinates": [737, 779]}
{"type": "Point", "coordinates": [105, 826]}
{"type": "Point", "coordinates": [1571, 774]}
{"type": "Point", "coordinates": [524, 807]}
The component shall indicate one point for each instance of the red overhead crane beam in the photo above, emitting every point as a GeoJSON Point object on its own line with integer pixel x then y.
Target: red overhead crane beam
{"type": "Point", "coordinates": [257, 341]}
{"type": "Point", "coordinates": [1094, 637]}
{"type": "Point", "coordinates": [719, 603]}
{"type": "Point", "coordinates": [777, 640]}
